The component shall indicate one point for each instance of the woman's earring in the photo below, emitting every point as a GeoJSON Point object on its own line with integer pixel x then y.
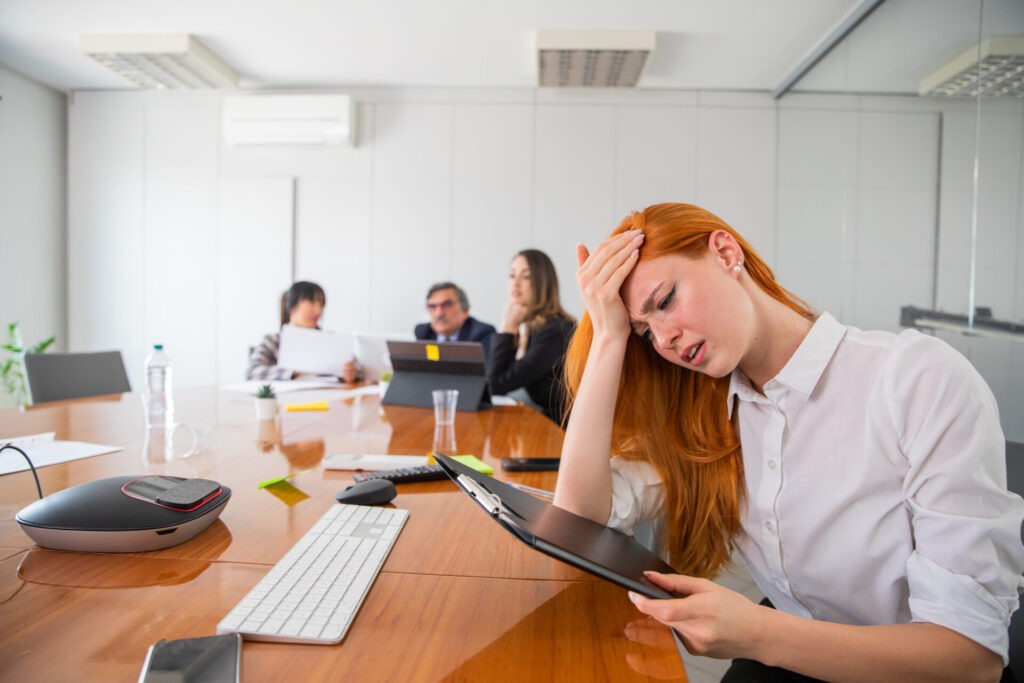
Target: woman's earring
{"type": "Point", "coordinates": [739, 266]}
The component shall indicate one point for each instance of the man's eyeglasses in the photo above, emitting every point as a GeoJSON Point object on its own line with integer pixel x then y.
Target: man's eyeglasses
{"type": "Point", "coordinates": [443, 305]}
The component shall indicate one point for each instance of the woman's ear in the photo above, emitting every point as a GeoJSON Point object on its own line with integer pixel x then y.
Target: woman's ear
{"type": "Point", "coordinates": [725, 249]}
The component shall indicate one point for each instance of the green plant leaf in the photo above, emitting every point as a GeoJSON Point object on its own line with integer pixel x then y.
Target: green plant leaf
{"type": "Point", "coordinates": [43, 345]}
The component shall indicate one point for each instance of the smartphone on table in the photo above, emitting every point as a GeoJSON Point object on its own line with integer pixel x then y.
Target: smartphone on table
{"type": "Point", "coordinates": [209, 659]}
{"type": "Point", "coordinates": [530, 464]}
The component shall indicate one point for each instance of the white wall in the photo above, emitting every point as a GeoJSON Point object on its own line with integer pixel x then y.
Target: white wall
{"type": "Point", "coordinates": [32, 210]}
{"type": "Point", "coordinates": [841, 193]}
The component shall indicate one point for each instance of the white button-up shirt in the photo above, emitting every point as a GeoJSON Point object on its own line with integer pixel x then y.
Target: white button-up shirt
{"type": "Point", "coordinates": [875, 486]}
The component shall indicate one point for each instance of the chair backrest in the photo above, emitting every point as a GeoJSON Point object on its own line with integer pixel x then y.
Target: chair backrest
{"type": "Point", "coordinates": [58, 376]}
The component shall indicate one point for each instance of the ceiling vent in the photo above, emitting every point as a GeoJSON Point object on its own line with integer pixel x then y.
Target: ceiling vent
{"type": "Point", "coordinates": [592, 59]}
{"type": "Point", "coordinates": [159, 60]}
{"type": "Point", "coordinates": [1001, 71]}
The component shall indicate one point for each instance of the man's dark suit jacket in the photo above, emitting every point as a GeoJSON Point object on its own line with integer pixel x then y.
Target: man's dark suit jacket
{"type": "Point", "coordinates": [471, 331]}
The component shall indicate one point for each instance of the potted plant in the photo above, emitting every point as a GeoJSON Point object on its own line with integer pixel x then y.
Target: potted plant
{"type": "Point", "coordinates": [266, 403]}
{"type": "Point", "coordinates": [12, 371]}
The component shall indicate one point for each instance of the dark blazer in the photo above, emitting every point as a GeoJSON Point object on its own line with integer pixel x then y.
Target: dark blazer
{"type": "Point", "coordinates": [471, 331]}
{"type": "Point", "coordinates": [539, 371]}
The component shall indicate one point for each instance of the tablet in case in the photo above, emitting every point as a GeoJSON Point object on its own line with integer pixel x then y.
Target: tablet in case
{"type": "Point", "coordinates": [422, 366]}
{"type": "Point", "coordinates": [575, 540]}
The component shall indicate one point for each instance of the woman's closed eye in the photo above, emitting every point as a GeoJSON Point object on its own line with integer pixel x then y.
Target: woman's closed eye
{"type": "Point", "coordinates": [667, 301]}
{"type": "Point", "coordinates": [663, 305]}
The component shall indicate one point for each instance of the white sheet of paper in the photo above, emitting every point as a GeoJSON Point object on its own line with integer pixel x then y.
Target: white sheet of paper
{"type": "Point", "coordinates": [281, 386]}
{"type": "Point", "coordinates": [46, 451]}
{"type": "Point", "coordinates": [371, 463]}
{"type": "Point", "coordinates": [308, 350]}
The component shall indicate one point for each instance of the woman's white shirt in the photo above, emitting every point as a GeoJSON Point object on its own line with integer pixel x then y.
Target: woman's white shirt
{"type": "Point", "coordinates": [875, 486]}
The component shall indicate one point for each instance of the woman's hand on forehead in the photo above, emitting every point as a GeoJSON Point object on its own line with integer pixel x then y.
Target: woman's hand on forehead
{"type": "Point", "coordinates": [600, 276]}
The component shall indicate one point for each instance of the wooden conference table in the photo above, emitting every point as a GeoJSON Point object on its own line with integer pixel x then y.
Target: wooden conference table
{"type": "Point", "coordinates": [458, 599]}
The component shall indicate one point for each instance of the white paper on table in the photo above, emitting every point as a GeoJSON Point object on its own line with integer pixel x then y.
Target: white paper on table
{"type": "Point", "coordinates": [44, 450]}
{"type": "Point", "coordinates": [280, 386]}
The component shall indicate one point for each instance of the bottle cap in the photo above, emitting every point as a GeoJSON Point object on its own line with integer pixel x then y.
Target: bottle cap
{"type": "Point", "coordinates": [158, 347]}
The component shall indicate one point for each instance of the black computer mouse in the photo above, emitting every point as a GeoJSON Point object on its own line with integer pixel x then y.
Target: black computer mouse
{"type": "Point", "coordinates": [369, 492]}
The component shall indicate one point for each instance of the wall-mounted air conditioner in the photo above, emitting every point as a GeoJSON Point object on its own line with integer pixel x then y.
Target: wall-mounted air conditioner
{"type": "Point", "coordinates": [290, 120]}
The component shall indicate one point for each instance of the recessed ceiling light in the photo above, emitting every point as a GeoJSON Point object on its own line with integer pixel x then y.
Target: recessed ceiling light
{"type": "Point", "coordinates": [1000, 74]}
{"type": "Point", "coordinates": [159, 60]}
{"type": "Point", "coordinates": [595, 59]}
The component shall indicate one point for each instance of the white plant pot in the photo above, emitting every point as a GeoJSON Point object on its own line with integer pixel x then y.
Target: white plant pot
{"type": "Point", "coordinates": [383, 385]}
{"type": "Point", "coordinates": [266, 408]}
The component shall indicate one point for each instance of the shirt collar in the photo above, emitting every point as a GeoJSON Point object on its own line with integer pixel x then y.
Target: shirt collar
{"type": "Point", "coordinates": [803, 370]}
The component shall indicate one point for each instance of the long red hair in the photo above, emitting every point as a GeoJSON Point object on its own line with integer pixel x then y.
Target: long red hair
{"type": "Point", "coordinates": [677, 419]}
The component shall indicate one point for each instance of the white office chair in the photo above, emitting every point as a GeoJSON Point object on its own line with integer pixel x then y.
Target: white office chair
{"type": "Point", "coordinates": [59, 376]}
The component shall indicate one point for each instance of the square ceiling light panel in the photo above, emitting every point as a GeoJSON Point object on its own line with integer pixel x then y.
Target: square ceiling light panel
{"type": "Point", "coordinates": [159, 60]}
{"type": "Point", "coordinates": [993, 69]}
{"type": "Point", "coordinates": [592, 59]}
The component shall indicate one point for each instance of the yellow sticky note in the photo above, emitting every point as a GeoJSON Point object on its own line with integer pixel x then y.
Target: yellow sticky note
{"type": "Point", "coordinates": [474, 462]}
{"type": "Point", "coordinates": [433, 353]}
{"type": "Point", "coordinates": [315, 405]}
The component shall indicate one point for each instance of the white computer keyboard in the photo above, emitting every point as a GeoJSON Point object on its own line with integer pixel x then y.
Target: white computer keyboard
{"type": "Point", "coordinates": [313, 592]}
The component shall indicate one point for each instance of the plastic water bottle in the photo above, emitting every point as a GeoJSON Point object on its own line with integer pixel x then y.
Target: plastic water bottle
{"type": "Point", "coordinates": [159, 399]}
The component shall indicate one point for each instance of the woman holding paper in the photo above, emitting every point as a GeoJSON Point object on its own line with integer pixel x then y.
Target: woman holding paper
{"type": "Point", "coordinates": [839, 464]}
{"type": "Point", "coordinates": [302, 306]}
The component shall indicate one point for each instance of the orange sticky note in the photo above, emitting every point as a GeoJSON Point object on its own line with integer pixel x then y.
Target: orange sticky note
{"type": "Point", "coordinates": [433, 353]}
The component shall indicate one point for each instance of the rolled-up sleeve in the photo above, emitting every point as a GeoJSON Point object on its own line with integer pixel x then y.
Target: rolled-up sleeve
{"type": "Point", "coordinates": [263, 361]}
{"type": "Point", "coordinates": [965, 570]}
{"type": "Point", "coordinates": [636, 494]}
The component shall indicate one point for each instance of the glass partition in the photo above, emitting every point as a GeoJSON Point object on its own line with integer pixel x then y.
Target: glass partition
{"type": "Point", "coordinates": [900, 210]}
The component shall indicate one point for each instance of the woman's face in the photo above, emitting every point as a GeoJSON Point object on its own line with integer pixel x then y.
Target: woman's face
{"type": "Point", "coordinates": [306, 313]}
{"type": "Point", "coordinates": [520, 286]}
{"type": "Point", "coordinates": [693, 311]}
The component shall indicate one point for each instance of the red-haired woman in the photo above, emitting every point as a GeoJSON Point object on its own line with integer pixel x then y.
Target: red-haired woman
{"type": "Point", "coordinates": [859, 475]}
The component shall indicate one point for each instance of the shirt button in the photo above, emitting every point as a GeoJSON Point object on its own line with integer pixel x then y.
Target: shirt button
{"type": "Point", "coordinates": [769, 526]}
{"type": "Point", "coordinates": [771, 464]}
{"type": "Point", "coordinates": [781, 584]}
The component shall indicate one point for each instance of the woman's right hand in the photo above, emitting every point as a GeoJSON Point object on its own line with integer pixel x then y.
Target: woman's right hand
{"type": "Point", "coordinates": [600, 276]}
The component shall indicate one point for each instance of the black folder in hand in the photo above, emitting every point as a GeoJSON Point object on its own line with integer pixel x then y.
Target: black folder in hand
{"type": "Point", "coordinates": [575, 540]}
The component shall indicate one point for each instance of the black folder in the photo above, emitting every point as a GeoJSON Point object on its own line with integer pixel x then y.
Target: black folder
{"type": "Point", "coordinates": [575, 540]}
{"type": "Point", "coordinates": [419, 367]}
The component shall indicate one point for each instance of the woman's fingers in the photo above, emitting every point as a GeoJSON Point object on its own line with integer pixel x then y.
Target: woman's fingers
{"type": "Point", "coordinates": [610, 262]}
{"type": "Point", "coordinates": [581, 255]}
{"type": "Point", "coordinates": [600, 277]}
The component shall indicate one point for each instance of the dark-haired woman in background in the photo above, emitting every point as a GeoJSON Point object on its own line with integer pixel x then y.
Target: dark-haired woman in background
{"type": "Point", "coordinates": [302, 306]}
{"type": "Point", "coordinates": [529, 348]}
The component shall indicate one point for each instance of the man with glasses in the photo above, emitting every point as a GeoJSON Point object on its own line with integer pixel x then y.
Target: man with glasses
{"type": "Point", "coordinates": [450, 320]}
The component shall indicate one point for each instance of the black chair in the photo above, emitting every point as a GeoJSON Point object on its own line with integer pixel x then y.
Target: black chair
{"type": "Point", "coordinates": [59, 376]}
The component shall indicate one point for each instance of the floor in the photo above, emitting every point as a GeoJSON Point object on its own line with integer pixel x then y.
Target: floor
{"type": "Point", "coordinates": [708, 670]}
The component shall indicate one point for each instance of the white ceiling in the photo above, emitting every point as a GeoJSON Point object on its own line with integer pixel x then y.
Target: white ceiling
{"type": "Point", "coordinates": [330, 44]}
